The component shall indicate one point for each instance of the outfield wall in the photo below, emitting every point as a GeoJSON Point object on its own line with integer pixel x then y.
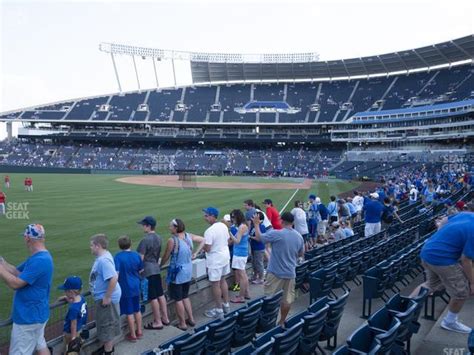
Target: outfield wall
{"type": "Point", "coordinates": [47, 170]}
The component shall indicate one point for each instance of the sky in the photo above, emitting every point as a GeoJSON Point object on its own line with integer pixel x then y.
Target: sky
{"type": "Point", "coordinates": [50, 49]}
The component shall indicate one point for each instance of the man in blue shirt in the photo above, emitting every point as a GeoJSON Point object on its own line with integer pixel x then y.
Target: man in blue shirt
{"type": "Point", "coordinates": [287, 246]}
{"type": "Point", "coordinates": [106, 291]}
{"type": "Point", "coordinates": [31, 281]}
{"type": "Point", "coordinates": [447, 258]}
{"type": "Point", "coordinates": [373, 213]}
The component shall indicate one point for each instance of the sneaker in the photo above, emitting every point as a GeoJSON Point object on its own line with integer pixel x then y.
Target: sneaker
{"type": "Point", "coordinates": [231, 287]}
{"type": "Point", "coordinates": [236, 288]}
{"type": "Point", "coordinates": [214, 313]}
{"type": "Point", "coordinates": [455, 327]}
{"type": "Point", "coordinates": [258, 282]}
{"type": "Point", "coordinates": [226, 308]}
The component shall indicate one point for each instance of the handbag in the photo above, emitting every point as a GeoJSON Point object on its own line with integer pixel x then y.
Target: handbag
{"type": "Point", "coordinates": [173, 268]}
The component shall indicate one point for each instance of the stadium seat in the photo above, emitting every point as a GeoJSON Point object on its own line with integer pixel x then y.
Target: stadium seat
{"type": "Point", "coordinates": [246, 326]}
{"type": "Point", "coordinates": [187, 344]}
{"type": "Point", "coordinates": [365, 341]}
{"type": "Point", "coordinates": [219, 334]}
{"type": "Point", "coordinates": [269, 312]}
{"type": "Point", "coordinates": [321, 282]}
{"type": "Point", "coordinates": [312, 328]}
{"type": "Point", "coordinates": [382, 320]}
{"type": "Point", "coordinates": [334, 315]}
{"type": "Point", "coordinates": [374, 282]}
{"type": "Point", "coordinates": [301, 271]}
{"type": "Point", "coordinates": [343, 267]}
{"type": "Point", "coordinates": [288, 341]}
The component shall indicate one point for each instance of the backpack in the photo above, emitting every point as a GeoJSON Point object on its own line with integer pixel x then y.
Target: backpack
{"type": "Point", "coordinates": [387, 215]}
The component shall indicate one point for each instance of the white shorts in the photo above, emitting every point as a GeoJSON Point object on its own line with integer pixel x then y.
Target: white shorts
{"type": "Point", "coordinates": [219, 273]}
{"type": "Point", "coordinates": [26, 338]}
{"type": "Point", "coordinates": [372, 228]}
{"type": "Point", "coordinates": [322, 225]}
{"type": "Point", "coordinates": [239, 262]}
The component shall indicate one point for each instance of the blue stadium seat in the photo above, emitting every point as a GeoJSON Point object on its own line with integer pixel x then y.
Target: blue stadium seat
{"type": "Point", "coordinates": [334, 315]}
{"type": "Point", "coordinates": [187, 344]}
{"type": "Point", "coordinates": [312, 328]}
{"type": "Point", "coordinates": [374, 283]}
{"type": "Point", "coordinates": [301, 276]}
{"type": "Point", "coordinates": [383, 320]}
{"type": "Point", "coordinates": [321, 281]}
{"type": "Point", "coordinates": [219, 334]}
{"type": "Point", "coordinates": [246, 326]}
{"type": "Point", "coordinates": [365, 341]}
{"type": "Point", "coordinates": [269, 312]}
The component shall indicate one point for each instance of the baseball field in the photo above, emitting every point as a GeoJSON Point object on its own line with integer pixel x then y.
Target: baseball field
{"type": "Point", "coordinates": [72, 208]}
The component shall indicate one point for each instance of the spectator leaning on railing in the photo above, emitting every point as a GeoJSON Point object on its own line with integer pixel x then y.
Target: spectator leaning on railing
{"type": "Point", "coordinates": [106, 291]}
{"type": "Point", "coordinates": [31, 281]}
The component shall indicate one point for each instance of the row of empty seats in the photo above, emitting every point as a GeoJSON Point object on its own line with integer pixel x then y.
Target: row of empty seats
{"type": "Point", "coordinates": [316, 102]}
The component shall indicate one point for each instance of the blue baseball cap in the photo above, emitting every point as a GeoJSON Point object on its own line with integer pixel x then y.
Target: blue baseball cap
{"type": "Point", "coordinates": [211, 211]}
{"type": "Point", "coordinates": [312, 197]}
{"type": "Point", "coordinates": [148, 220]}
{"type": "Point", "coordinates": [34, 231]}
{"type": "Point", "coordinates": [71, 283]}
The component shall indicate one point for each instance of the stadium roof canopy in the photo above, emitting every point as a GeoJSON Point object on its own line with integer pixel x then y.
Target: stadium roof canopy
{"type": "Point", "coordinates": [218, 67]}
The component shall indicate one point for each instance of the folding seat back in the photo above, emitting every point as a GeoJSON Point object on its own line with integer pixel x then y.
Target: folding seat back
{"type": "Point", "coordinates": [219, 335]}
{"type": "Point", "coordinates": [265, 349]}
{"type": "Point", "coordinates": [301, 276]}
{"type": "Point", "coordinates": [387, 339]}
{"type": "Point", "coordinates": [321, 281]}
{"type": "Point", "coordinates": [187, 344]}
{"type": "Point", "coordinates": [269, 312]}
{"type": "Point", "coordinates": [312, 328]}
{"type": "Point", "coordinates": [334, 315]}
{"type": "Point", "coordinates": [287, 342]}
{"type": "Point", "coordinates": [246, 325]}
{"type": "Point", "coordinates": [362, 341]}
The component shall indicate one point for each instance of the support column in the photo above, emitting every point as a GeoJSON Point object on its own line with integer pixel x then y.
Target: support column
{"type": "Point", "coordinates": [174, 72]}
{"type": "Point", "coordinates": [136, 72]}
{"type": "Point", "coordinates": [116, 72]}
{"type": "Point", "coordinates": [9, 131]}
{"type": "Point", "coordinates": [156, 73]}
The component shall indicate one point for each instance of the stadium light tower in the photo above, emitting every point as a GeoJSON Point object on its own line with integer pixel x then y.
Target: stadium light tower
{"type": "Point", "coordinates": [197, 58]}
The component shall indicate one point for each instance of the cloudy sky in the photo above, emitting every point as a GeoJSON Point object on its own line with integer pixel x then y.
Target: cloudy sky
{"type": "Point", "coordinates": [49, 49]}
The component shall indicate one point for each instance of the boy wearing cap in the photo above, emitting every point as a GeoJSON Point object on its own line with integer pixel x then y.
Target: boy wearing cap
{"type": "Point", "coordinates": [129, 265]}
{"type": "Point", "coordinates": [149, 249]}
{"type": "Point", "coordinates": [106, 291]}
{"type": "Point", "coordinates": [217, 261]}
{"type": "Point", "coordinates": [31, 281]}
{"type": "Point", "coordinates": [76, 316]}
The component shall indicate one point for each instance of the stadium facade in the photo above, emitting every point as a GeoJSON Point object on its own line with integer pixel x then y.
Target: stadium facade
{"type": "Point", "coordinates": [417, 96]}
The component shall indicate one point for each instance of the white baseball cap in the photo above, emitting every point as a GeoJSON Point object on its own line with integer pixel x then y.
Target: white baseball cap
{"type": "Point", "coordinates": [374, 195]}
{"type": "Point", "coordinates": [226, 217]}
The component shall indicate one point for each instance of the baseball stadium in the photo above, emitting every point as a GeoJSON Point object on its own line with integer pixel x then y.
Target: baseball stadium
{"type": "Point", "coordinates": [271, 135]}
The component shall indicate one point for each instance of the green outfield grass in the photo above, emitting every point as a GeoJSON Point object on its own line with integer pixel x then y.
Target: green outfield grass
{"type": "Point", "coordinates": [72, 208]}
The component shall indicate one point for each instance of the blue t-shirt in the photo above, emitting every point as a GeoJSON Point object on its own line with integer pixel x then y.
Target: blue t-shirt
{"type": "Point", "coordinates": [287, 244]}
{"type": "Point", "coordinates": [129, 264]}
{"type": "Point", "coordinates": [332, 209]}
{"type": "Point", "coordinates": [233, 231]}
{"type": "Point", "coordinates": [454, 239]}
{"type": "Point", "coordinates": [352, 209]}
{"type": "Point", "coordinates": [255, 245]}
{"type": "Point", "coordinates": [77, 311]}
{"type": "Point", "coordinates": [373, 211]}
{"type": "Point", "coordinates": [102, 271]}
{"type": "Point", "coordinates": [323, 211]}
{"type": "Point", "coordinates": [30, 303]}
{"type": "Point", "coordinates": [242, 249]}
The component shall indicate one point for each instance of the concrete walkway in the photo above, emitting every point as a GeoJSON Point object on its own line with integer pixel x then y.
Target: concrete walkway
{"type": "Point", "coordinates": [430, 340]}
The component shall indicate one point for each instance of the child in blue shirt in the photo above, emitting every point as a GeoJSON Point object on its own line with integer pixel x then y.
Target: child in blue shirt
{"type": "Point", "coordinates": [76, 317]}
{"type": "Point", "coordinates": [129, 265]}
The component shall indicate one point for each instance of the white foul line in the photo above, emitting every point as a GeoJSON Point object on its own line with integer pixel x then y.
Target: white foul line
{"type": "Point", "coordinates": [291, 198]}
